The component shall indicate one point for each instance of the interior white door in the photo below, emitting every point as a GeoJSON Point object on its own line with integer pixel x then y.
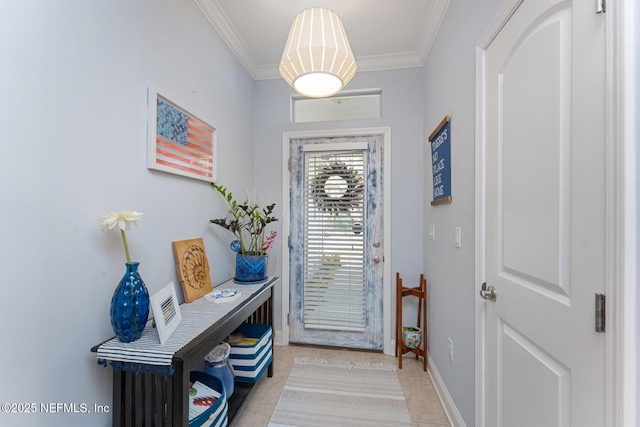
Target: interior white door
{"type": "Point", "coordinates": [545, 217]}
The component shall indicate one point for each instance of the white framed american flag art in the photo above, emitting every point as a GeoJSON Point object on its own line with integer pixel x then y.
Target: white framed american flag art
{"type": "Point", "coordinates": [178, 141]}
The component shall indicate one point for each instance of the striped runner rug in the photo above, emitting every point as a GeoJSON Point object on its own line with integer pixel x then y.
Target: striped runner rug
{"type": "Point", "coordinates": [325, 393]}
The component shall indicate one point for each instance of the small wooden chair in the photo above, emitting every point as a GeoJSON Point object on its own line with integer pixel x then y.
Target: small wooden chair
{"type": "Point", "coordinates": [421, 293]}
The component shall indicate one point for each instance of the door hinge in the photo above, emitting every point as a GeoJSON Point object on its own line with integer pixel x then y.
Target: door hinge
{"type": "Point", "coordinates": [288, 319]}
{"type": "Point", "coordinates": [289, 241]}
{"type": "Point", "coordinates": [600, 312]}
{"type": "Point", "coordinates": [289, 164]}
{"type": "Point", "coordinates": [601, 6]}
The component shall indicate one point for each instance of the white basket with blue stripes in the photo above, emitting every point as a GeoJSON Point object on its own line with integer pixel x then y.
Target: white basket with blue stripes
{"type": "Point", "coordinates": [249, 361]}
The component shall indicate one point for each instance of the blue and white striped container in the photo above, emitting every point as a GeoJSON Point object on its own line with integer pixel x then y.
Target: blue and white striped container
{"type": "Point", "coordinates": [250, 361]}
{"type": "Point", "coordinates": [217, 414]}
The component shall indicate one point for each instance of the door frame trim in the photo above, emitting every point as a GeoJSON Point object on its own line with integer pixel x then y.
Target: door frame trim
{"type": "Point", "coordinates": [621, 191]}
{"type": "Point", "coordinates": [388, 348]}
{"type": "Point", "coordinates": [622, 244]}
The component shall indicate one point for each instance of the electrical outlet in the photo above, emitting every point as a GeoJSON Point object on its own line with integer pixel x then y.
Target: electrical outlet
{"type": "Point", "coordinates": [450, 349]}
{"type": "Point", "coordinates": [432, 231]}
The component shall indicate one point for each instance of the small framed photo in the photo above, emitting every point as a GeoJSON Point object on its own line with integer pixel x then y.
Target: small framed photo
{"type": "Point", "coordinates": [178, 141]}
{"type": "Point", "coordinates": [166, 311]}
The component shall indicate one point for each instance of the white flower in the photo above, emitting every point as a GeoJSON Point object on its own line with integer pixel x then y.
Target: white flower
{"type": "Point", "coordinates": [122, 219]}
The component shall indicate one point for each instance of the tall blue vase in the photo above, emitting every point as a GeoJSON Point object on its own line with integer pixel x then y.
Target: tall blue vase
{"type": "Point", "coordinates": [251, 268]}
{"type": "Point", "coordinates": [130, 305]}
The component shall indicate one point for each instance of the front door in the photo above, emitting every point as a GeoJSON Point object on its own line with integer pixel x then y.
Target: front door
{"type": "Point", "coordinates": [545, 217]}
{"type": "Point", "coordinates": [335, 252]}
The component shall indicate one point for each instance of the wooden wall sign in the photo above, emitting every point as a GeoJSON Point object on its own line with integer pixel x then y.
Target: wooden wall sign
{"type": "Point", "coordinates": [440, 140]}
{"type": "Point", "coordinates": [193, 268]}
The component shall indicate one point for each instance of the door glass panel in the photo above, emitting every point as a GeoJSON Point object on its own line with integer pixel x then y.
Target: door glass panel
{"type": "Point", "coordinates": [334, 268]}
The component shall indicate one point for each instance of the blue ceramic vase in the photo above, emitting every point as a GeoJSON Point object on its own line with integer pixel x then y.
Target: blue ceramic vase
{"type": "Point", "coordinates": [130, 305]}
{"type": "Point", "coordinates": [251, 268]}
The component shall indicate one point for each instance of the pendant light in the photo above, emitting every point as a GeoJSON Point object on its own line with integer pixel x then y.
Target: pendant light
{"type": "Point", "coordinates": [317, 60]}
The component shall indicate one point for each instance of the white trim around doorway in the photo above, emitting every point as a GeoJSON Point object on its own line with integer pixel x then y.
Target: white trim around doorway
{"type": "Point", "coordinates": [623, 76]}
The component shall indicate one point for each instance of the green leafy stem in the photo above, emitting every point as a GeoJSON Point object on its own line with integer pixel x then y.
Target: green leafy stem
{"type": "Point", "coordinates": [248, 222]}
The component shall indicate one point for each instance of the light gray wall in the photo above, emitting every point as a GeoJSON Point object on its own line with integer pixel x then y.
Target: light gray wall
{"type": "Point", "coordinates": [402, 111]}
{"type": "Point", "coordinates": [450, 89]}
{"type": "Point", "coordinates": [73, 109]}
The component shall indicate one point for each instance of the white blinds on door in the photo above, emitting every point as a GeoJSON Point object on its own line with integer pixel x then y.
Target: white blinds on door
{"type": "Point", "coordinates": [334, 233]}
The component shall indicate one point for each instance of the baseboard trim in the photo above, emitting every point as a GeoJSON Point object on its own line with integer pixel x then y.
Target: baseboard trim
{"type": "Point", "coordinates": [455, 419]}
{"type": "Point", "coordinates": [277, 339]}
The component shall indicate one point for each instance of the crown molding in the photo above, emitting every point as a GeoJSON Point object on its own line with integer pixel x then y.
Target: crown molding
{"type": "Point", "coordinates": [220, 21]}
{"type": "Point", "coordinates": [364, 63]}
{"type": "Point", "coordinates": [431, 27]}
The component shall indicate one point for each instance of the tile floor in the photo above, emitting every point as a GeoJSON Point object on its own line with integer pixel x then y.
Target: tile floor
{"type": "Point", "coordinates": [424, 406]}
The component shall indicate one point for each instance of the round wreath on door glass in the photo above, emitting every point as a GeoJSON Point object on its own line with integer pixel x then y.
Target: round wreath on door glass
{"type": "Point", "coordinates": [337, 188]}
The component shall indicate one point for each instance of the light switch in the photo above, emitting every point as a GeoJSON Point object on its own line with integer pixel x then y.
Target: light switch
{"type": "Point", "coordinates": [432, 231]}
{"type": "Point", "coordinates": [458, 238]}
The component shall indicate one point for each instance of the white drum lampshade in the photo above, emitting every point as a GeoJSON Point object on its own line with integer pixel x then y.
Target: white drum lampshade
{"type": "Point", "coordinates": [317, 60]}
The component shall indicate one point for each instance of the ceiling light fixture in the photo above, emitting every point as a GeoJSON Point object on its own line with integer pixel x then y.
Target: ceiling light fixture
{"type": "Point", "coordinates": [317, 60]}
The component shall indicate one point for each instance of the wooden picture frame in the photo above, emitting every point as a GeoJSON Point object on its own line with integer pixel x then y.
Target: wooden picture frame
{"type": "Point", "coordinates": [440, 142]}
{"type": "Point", "coordinates": [193, 268]}
{"type": "Point", "coordinates": [178, 141]}
{"type": "Point", "coordinates": [166, 311]}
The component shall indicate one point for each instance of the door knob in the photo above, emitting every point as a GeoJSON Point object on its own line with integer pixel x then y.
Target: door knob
{"type": "Point", "coordinates": [489, 292]}
{"type": "Point", "coordinates": [376, 244]}
{"type": "Point", "coordinates": [376, 259]}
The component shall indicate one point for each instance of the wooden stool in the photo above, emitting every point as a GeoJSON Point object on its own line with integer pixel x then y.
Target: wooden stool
{"type": "Point", "coordinates": [421, 293]}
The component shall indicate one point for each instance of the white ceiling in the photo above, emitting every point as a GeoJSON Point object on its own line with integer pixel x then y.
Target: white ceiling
{"type": "Point", "coordinates": [383, 34]}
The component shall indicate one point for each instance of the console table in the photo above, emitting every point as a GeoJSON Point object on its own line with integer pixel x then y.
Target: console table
{"type": "Point", "coordinates": [157, 395]}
